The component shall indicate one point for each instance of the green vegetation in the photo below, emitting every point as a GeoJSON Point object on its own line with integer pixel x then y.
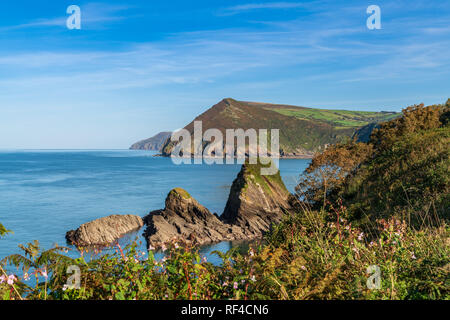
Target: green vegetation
{"type": "Point", "coordinates": [3, 230]}
{"type": "Point", "coordinates": [181, 192]}
{"type": "Point", "coordinates": [381, 205]}
{"type": "Point", "coordinates": [302, 130]}
{"type": "Point", "coordinates": [402, 171]}
{"type": "Point", "coordinates": [339, 118]}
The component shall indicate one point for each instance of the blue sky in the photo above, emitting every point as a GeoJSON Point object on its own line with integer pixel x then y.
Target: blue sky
{"type": "Point", "coordinates": [140, 67]}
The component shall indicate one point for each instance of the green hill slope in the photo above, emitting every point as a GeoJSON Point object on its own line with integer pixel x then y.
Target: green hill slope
{"type": "Point", "coordinates": [303, 131]}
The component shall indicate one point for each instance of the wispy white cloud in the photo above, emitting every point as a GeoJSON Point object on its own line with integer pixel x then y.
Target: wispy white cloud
{"type": "Point", "coordinates": [259, 6]}
{"type": "Point", "coordinates": [93, 15]}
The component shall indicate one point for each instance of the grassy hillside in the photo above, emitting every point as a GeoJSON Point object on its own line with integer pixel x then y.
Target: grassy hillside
{"type": "Point", "coordinates": [303, 131]}
{"type": "Point", "coordinates": [402, 171]}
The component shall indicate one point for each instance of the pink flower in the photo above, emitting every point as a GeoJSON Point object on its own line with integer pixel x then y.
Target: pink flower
{"type": "Point", "coordinates": [235, 285]}
{"type": "Point", "coordinates": [303, 267]}
{"type": "Point", "coordinates": [11, 279]}
{"type": "Point", "coordinates": [44, 273]}
{"type": "Point", "coordinates": [2, 279]}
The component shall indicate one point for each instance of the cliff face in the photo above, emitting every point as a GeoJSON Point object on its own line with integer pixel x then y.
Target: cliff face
{"type": "Point", "coordinates": [104, 231]}
{"type": "Point", "coordinates": [254, 203]}
{"type": "Point", "coordinates": [184, 218]}
{"type": "Point", "coordinates": [154, 143]}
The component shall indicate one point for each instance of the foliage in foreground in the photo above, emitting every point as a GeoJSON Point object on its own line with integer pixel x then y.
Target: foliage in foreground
{"type": "Point", "coordinates": [304, 257]}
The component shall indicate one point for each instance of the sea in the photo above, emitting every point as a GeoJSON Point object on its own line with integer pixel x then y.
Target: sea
{"type": "Point", "coordinates": [45, 193]}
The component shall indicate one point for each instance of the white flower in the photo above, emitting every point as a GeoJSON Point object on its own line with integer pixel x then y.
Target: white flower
{"type": "Point", "coordinates": [253, 278]}
{"type": "Point", "coordinates": [413, 256]}
{"type": "Point", "coordinates": [26, 277]}
{"type": "Point", "coordinates": [44, 273]}
{"type": "Point", "coordinates": [361, 236]}
{"type": "Point", "coordinates": [65, 287]}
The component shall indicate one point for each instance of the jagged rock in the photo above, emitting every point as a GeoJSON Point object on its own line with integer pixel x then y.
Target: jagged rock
{"type": "Point", "coordinates": [104, 231]}
{"type": "Point", "coordinates": [184, 218]}
{"type": "Point", "coordinates": [256, 201]}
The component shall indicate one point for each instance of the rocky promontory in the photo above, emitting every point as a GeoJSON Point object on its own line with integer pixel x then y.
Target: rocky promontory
{"type": "Point", "coordinates": [154, 143]}
{"type": "Point", "coordinates": [183, 217]}
{"type": "Point", "coordinates": [104, 231]}
{"type": "Point", "coordinates": [254, 203]}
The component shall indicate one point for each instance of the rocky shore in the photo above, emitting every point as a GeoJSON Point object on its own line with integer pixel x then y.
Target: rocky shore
{"type": "Point", "coordinates": [254, 203]}
{"type": "Point", "coordinates": [104, 231]}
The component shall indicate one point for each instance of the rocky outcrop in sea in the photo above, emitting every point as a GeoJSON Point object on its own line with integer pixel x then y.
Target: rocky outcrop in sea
{"type": "Point", "coordinates": [255, 202]}
{"type": "Point", "coordinates": [104, 231]}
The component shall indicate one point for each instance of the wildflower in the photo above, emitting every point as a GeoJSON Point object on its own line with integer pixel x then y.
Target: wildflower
{"type": "Point", "coordinates": [225, 284]}
{"type": "Point", "coordinates": [44, 273]}
{"type": "Point", "coordinates": [242, 281]}
{"type": "Point", "coordinates": [176, 245]}
{"type": "Point", "coordinates": [65, 287]}
{"type": "Point", "coordinates": [26, 277]}
{"type": "Point", "coordinates": [303, 268]}
{"type": "Point", "coordinates": [2, 279]}
{"type": "Point", "coordinates": [251, 253]}
{"type": "Point", "coordinates": [361, 236]}
{"type": "Point", "coordinates": [235, 285]}
{"type": "Point", "coordinates": [413, 256]}
{"type": "Point", "coordinates": [253, 278]}
{"type": "Point", "coordinates": [204, 259]}
{"type": "Point", "coordinates": [11, 279]}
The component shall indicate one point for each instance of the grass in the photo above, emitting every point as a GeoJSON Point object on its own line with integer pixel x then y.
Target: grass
{"type": "Point", "coordinates": [341, 118]}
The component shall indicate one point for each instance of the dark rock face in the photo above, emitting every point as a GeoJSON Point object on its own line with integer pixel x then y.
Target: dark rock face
{"type": "Point", "coordinates": [254, 203]}
{"type": "Point", "coordinates": [184, 218]}
{"type": "Point", "coordinates": [154, 143]}
{"type": "Point", "coordinates": [104, 231]}
{"type": "Point", "coordinates": [363, 134]}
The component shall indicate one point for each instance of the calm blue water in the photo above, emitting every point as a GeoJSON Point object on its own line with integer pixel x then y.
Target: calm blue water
{"type": "Point", "coordinates": [43, 194]}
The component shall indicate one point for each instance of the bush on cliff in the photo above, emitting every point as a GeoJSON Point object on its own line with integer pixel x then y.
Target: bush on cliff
{"type": "Point", "coordinates": [403, 171]}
